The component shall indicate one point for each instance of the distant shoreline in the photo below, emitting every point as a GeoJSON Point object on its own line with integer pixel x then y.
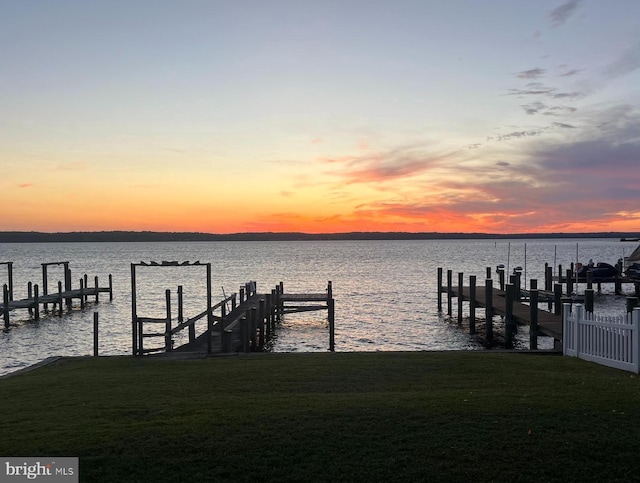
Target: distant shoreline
{"type": "Point", "coordinates": [151, 236]}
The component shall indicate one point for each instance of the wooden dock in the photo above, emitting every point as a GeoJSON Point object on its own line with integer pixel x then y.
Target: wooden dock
{"type": "Point", "coordinates": [242, 322]}
{"type": "Point", "coordinates": [549, 324]}
{"type": "Point", "coordinates": [507, 303]}
{"type": "Point", "coordinates": [63, 297]}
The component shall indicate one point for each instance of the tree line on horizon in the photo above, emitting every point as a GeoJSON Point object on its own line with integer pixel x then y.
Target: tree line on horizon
{"type": "Point", "coordinates": [152, 236]}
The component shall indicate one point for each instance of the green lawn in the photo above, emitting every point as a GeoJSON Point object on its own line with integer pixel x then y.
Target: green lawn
{"type": "Point", "coordinates": [415, 416]}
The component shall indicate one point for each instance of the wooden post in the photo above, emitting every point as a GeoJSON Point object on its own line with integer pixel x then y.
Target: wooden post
{"type": "Point", "coordinates": [472, 304]}
{"type": "Point", "coordinates": [589, 279]}
{"type": "Point", "coordinates": [86, 286]}
{"type": "Point", "coordinates": [332, 326]}
{"type": "Point", "coordinates": [274, 307]}
{"type": "Point", "coordinates": [449, 292]}
{"type": "Point", "coordinates": [95, 280]}
{"type": "Point", "coordinates": [223, 314]}
{"type": "Point", "coordinates": [267, 315]}
{"type": "Point", "coordinates": [30, 295]}
{"type": "Point", "coordinates": [246, 320]}
{"type": "Point", "coordinates": [10, 279]}
{"type": "Point", "coordinates": [589, 297]}
{"type": "Point", "coordinates": [110, 287]}
{"type": "Point", "coordinates": [45, 282]}
{"type": "Point", "coordinates": [439, 289]}
{"type": "Point", "coordinates": [501, 278]}
{"type": "Point", "coordinates": [557, 298]}
{"type": "Point", "coordinates": [180, 311]}
{"type": "Point", "coordinates": [60, 304]}
{"type": "Point", "coordinates": [281, 304]}
{"type": "Point", "coordinates": [191, 329]}
{"type": "Point", "coordinates": [134, 315]}
{"type": "Point", "coordinates": [67, 284]}
{"type": "Point", "coordinates": [242, 289]}
{"type": "Point", "coordinates": [36, 300]}
{"type": "Point", "coordinates": [252, 328]}
{"type": "Point", "coordinates": [632, 302]}
{"type": "Point", "coordinates": [209, 311]}
{"type": "Point", "coordinates": [547, 285]}
{"type": "Point", "coordinates": [617, 285]}
{"type": "Point", "coordinates": [533, 284]}
{"type": "Point", "coordinates": [569, 280]}
{"type": "Point", "coordinates": [489, 310]}
{"type": "Point", "coordinates": [95, 334]}
{"type": "Point", "coordinates": [460, 296]}
{"type": "Point", "coordinates": [262, 305]}
{"type": "Point", "coordinates": [488, 270]}
{"type": "Point", "coordinates": [560, 278]}
{"type": "Point", "coordinates": [508, 320]}
{"type": "Point", "coordinates": [5, 305]}
{"type": "Point", "coordinates": [82, 294]}
{"type": "Point", "coordinates": [533, 318]}
{"type": "Point", "coordinates": [167, 331]}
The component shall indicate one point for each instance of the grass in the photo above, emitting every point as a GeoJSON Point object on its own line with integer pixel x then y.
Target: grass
{"type": "Point", "coordinates": [416, 416]}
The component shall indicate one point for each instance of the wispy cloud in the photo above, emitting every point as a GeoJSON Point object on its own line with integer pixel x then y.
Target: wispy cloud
{"type": "Point", "coordinates": [561, 184]}
{"type": "Point", "coordinates": [571, 73]}
{"type": "Point", "coordinates": [561, 14]}
{"type": "Point", "coordinates": [384, 166]}
{"type": "Point", "coordinates": [516, 134]}
{"type": "Point", "coordinates": [533, 89]}
{"type": "Point", "coordinates": [534, 107]}
{"type": "Point", "coordinates": [625, 64]}
{"type": "Point", "coordinates": [531, 73]}
{"type": "Point", "coordinates": [563, 125]}
{"type": "Point", "coordinates": [25, 185]}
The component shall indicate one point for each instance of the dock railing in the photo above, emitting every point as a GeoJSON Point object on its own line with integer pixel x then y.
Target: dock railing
{"type": "Point", "coordinates": [613, 341]}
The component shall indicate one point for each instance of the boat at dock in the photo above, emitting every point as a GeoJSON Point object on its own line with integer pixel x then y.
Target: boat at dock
{"type": "Point", "coordinates": [600, 272]}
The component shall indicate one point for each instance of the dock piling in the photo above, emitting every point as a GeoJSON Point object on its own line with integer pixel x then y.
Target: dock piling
{"type": "Point", "coordinates": [489, 310]}
{"type": "Point", "coordinates": [36, 301]}
{"type": "Point", "coordinates": [557, 298]}
{"type": "Point", "coordinates": [167, 333]}
{"type": "Point", "coordinates": [460, 297]}
{"type": "Point", "coordinates": [589, 297]}
{"type": "Point", "coordinates": [508, 320]}
{"type": "Point", "coordinates": [533, 318]}
{"type": "Point", "coordinates": [449, 292]}
{"type": "Point", "coordinates": [439, 289]}
{"type": "Point", "coordinates": [472, 304]}
{"type": "Point", "coordinates": [95, 334]}
{"type": "Point", "coordinates": [5, 305]}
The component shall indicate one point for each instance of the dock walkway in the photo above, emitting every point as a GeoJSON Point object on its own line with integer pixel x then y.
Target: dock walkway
{"type": "Point", "coordinates": [549, 323]}
{"type": "Point", "coordinates": [64, 296]}
{"type": "Point", "coordinates": [507, 303]}
{"type": "Point", "coordinates": [242, 322]}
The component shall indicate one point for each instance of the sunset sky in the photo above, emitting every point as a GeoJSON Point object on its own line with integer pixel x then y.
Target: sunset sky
{"type": "Point", "coordinates": [231, 116]}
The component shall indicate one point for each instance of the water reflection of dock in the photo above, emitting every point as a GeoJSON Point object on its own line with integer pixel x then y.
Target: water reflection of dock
{"type": "Point", "coordinates": [64, 295]}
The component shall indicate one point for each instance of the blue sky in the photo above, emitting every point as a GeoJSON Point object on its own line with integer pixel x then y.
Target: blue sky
{"type": "Point", "coordinates": [335, 115]}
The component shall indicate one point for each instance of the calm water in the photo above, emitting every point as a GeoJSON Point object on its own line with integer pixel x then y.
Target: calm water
{"type": "Point", "coordinates": [385, 291]}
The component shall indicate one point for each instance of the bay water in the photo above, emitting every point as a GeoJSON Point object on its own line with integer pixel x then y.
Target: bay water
{"type": "Point", "coordinates": [385, 290]}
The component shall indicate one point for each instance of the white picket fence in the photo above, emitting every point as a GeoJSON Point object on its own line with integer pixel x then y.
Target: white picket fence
{"type": "Point", "coordinates": [612, 341]}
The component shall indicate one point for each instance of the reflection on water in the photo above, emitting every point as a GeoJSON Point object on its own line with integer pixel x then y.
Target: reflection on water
{"type": "Point", "coordinates": [385, 291]}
